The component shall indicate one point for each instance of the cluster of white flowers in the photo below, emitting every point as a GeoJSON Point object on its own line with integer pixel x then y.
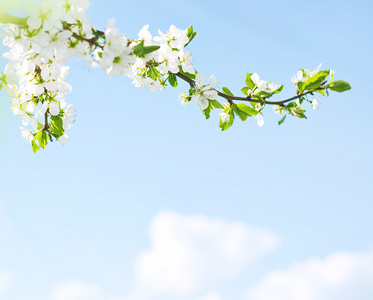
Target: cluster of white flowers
{"type": "Point", "coordinates": [115, 57]}
{"type": "Point", "coordinates": [35, 75]}
{"type": "Point", "coordinates": [204, 92]}
{"type": "Point", "coordinates": [303, 74]}
{"type": "Point", "coordinates": [167, 59]}
{"type": "Point", "coordinates": [263, 85]}
{"type": "Point", "coordinates": [57, 30]}
{"type": "Point", "coordinates": [40, 45]}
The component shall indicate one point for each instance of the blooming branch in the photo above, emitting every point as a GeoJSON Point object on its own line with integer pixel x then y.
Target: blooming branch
{"type": "Point", "coordinates": [41, 44]}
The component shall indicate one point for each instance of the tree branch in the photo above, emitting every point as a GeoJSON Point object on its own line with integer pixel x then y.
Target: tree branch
{"type": "Point", "coordinates": [5, 18]}
{"type": "Point", "coordinates": [248, 98]}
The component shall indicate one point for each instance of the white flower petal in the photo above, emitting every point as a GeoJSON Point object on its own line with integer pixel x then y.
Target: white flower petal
{"type": "Point", "coordinates": [54, 108]}
{"type": "Point", "coordinates": [255, 78]}
{"type": "Point", "coordinates": [259, 120]}
{"type": "Point", "coordinates": [203, 103]}
{"type": "Point", "coordinates": [212, 80]}
{"type": "Point", "coordinates": [299, 75]}
{"type": "Point", "coordinates": [262, 85]}
{"type": "Point", "coordinates": [63, 139]}
{"type": "Point", "coordinates": [200, 80]}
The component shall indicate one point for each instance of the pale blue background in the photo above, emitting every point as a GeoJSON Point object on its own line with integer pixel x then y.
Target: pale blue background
{"type": "Point", "coordinates": [83, 210]}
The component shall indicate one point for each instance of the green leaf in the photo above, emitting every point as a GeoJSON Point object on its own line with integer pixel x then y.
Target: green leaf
{"type": "Point", "coordinates": [191, 38]}
{"type": "Point", "coordinates": [139, 49]}
{"type": "Point", "coordinates": [190, 76]}
{"type": "Point", "coordinates": [150, 49]}
{"type": "Point", "coordinates": [153, 73]}
{"type": "Point", "coordinates": [282, 120]}
{"type": "Point", "coordinates": [300, 86]}
{"type": "Point", "coordinates": [227, 91]}
{"type": "Point", "coordinates": [117, 60]}
{"type": "Point", "coordinates": [245, 90]}
{"type": "Point", "coordinates": [297, 111]}
{"type": "Point", "coordinates": [322, 92]}
{"type": "Point", "coordinates": [250, 84]}
{"type": "Point", "coordinates": [315, 81]}
{"type": "Point", "coordinates": [35, 147]}
{"type": "Point", "coordinates": [216, 104]}
{"type": "Point", "coordinates": [57, 125]}
{"type": "Point", "coordinates": [40, 126]}
{"type": "Point", "coordinates": [42, 137]}
{"type": "Point", "coordinates": [331, 76]}
{"type": "Point", "coordinates": [207, 111]}
{"type": "Point", "coordinates": [173, 80]}
{"type": "Point", "coordinates": [247, 109]}
{"type": "Point", "coordinates": [241, 114]}
{"type": "Point", "coordinates": [190, 31]}
{"type": "Point", "coordinates": [269, 95]}
{"type": "Point", "coordinates": [339, 86]}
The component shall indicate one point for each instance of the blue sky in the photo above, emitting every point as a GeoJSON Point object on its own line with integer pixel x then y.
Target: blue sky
{"type": "Point", "coordinates": [124, 192]}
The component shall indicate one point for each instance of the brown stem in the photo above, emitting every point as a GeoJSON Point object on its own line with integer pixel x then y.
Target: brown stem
{"type": "Point", "coordinates": [46, 126]}
{"type": "Point", "coordinates": [248, 98]}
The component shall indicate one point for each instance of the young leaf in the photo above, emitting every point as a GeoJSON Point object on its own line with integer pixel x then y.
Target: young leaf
{"type": "Point", "coordinates": [241, 114]}
{"type": "Point", "coordinates": [173, 80]}
{"type": "Point", "coordinates": [315, 81]}
{"type": "Point", "coordinates": [150, 49]}
{"type": "Point", "coordinates": [190, 76]}
{"type": "Point", "coordinates": [117, 60]}
{"type": "Point", "coordinates": [250, 84]}
{"type": "Point", "coordinates": [35, 146]}
{"type": "Point", "coordinates": [216, 104]}
{"type": "Point", "coordinates": [139, 49]}
{"type": "Point", "coordinates": [247, 109]}
{"type": "Point", "coordinates": [207, 111]}
{"type": "Point", "coordinates": [153, 74]}
{"type": "Point", "coordinates": [227, 91]}
{"type": "Point", "coordinates": [57, 125]}
{"type": "Point", "coordinates": [42, 137]}
{"type": "Point", "coordinates": [297, 111]}
{"type": "Point", "coordinates": [191, 38]}
{"type": "Point", "coordinates": [339, 86]}
{"type": "Point", "coordinates": [282, 120]}
{"type": "Point", "coordinates": [40, 126]}
{"type": "Point", "coordinates": [245, 90]}
{"type": "Point", "coordinates": [190, 31]}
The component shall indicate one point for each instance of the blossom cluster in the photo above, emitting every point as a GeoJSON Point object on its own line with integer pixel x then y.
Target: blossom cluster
{"type": "Point", "coordinates": [40, 45]}
{"type": "Point", "coordinates": [153, 69]}
{"type": "Point", "coordinates": [35, 77]}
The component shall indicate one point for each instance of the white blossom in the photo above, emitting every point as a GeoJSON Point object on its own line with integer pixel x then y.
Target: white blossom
{"type": "Point", "coordinates": [315, 103]}
{"type": "Point", "coordinates": [204, 93]}
{"type": "Point", "coordinates": [259, 119]}
{"type": "Point", "coordinates": [263, 85]}
{"type": "Point", "coordinates": [225, 117]}
{"type": "Point", "coordinates": [297, 77]}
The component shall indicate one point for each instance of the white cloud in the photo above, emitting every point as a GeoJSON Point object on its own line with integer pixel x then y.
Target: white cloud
{"type": "Point", "coordinates": [340, 276]}
{"type": "Point", "coordinates": [191, 252]}
{"type": "Point", "coordinates": [6, 281]}
{"type": "Point", "coordinates": [211, 296]}
{"type": "Point", "coordinates": [76, 290]}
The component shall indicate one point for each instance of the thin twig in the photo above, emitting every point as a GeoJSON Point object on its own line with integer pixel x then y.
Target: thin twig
{"type": "Point", "coordinates": [248, 98]}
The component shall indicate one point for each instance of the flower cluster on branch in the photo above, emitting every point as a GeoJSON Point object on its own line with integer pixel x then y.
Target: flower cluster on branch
{"type": "Point", "coordinates": [41, 44]}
